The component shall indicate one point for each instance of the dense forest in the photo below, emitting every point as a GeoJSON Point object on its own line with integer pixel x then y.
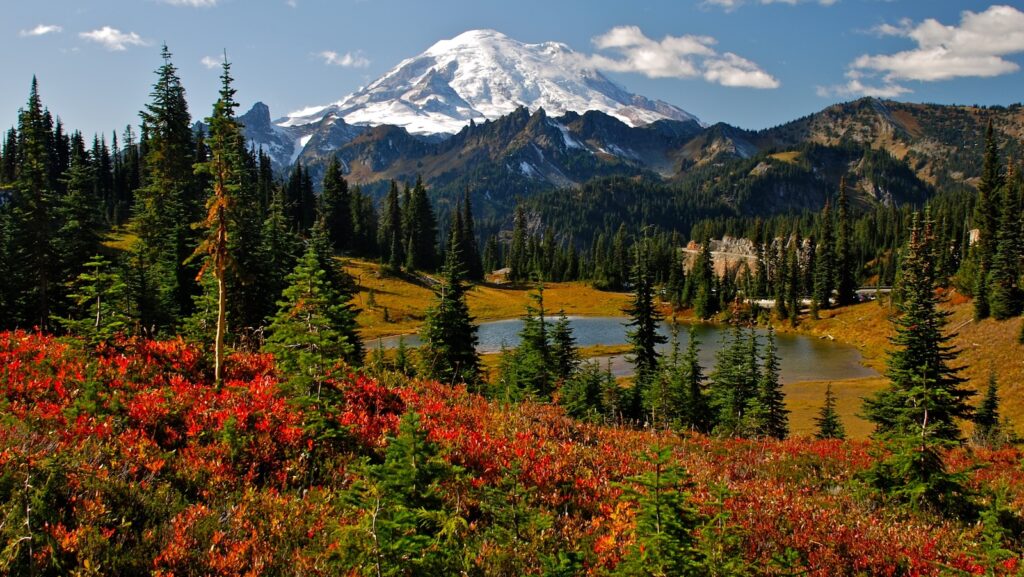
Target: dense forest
{"type": "Point", "coordinates": [184, 390]}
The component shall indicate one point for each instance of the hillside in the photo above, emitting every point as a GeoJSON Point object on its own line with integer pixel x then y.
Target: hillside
{"type": "Point", "coordinates": [127, 460]}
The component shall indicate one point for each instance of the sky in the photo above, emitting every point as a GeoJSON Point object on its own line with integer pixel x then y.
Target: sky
{"type": "Point", "coordinates": [750, 63]}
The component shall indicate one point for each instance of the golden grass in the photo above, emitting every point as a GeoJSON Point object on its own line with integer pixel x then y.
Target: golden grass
{"type": "Point", "coordinates": [789, 157]}
{"type": "Point", "coordinates": [804, 400]}
{"type": "Point", "coordinates": [120, 239]}
{"type": "Point", "coordinates": [406, 302]}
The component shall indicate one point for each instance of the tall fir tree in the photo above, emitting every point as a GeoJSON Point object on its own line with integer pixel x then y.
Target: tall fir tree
{"type": "Point", "coordinates": [825, 268]}
{"type": "Point", "coordinates": [224, 168]}
{"type": "Point", "coordinates": [391, 235]}
{"type": "Point", "coordinates": [518, 264]}
{"type": "Point", "coordinates": [336, 206]}
{"type": "Point", "coordinates": [986, 221]}
{"type": "Point", "coordinates": [925, 397]}
{"type": "Point", "coordinates": [421, 230]}
{"type": "Point", "coordinates": [449, 336]}
{"type": "Point", "coordinates": [705, 301]}
{"type": "Point", "coordinates": [846, 275]}
{"type": "Point", "coordinates": [565, 356]}
{"type": "Point", "coordinates": [986, 418]}
{"type": "Point", "coordinates": [168, 203]}
{"type": "Point", "coordinates": [643, 330]}
{"type": "Point", "coordinates": [1005, 298]}
{"type": "Point", "coordinates": [732, 388]}
{"type": "Point", "coordinates": [470, 247]}
{"type": "Point", "coordinates": [768, 416]}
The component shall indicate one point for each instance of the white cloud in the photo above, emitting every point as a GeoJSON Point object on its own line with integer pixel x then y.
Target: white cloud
{"type": "Point", "coordinates": [976, 48]}
{"type": "Point", "coordinates": [192, 3]}
{"type": "Point", "coordinates": [292, 3]}
{"type": "Point", "coordinates": [346, 60]}
{"type": "Point", "coordinates": [113, 39]}
{"type": "Point", "coordinates": [687, 56]}
{"type": "Point", "coordinates": [730, 5]}
{"type": "Point", "coordinates": [41, 30]}
{"type": "Point", "coordinates": [210, 62]}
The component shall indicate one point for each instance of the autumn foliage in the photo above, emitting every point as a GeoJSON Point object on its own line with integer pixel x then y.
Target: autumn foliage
{"type": "Point", "coordinates": [125, 459]}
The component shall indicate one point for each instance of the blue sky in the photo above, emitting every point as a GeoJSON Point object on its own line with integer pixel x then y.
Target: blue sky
{"type": "Point", "coordinates": [751, 63]}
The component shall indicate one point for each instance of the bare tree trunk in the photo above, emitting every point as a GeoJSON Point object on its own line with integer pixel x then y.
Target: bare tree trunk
{"type": "Point", "coordinates": [218, 347]}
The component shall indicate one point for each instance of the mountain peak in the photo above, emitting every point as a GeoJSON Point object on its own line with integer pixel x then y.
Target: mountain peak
{"type": "Point", "coordinates": [484, 75]}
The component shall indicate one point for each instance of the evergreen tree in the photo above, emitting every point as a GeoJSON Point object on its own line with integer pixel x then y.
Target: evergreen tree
{"type": "Point", "coordinates": [99, 303]}
{"type": "Point", "coordinates": [825, 271]}
{"type": "Point", "coordinates": [33, 203]}
{"type": "Point", "coordinates": [986, 221]}
{"type": "Point", "coordinates": [421, 230]}
{"type": "Point", "coordinates": [697, 414]}
{"type": "Point", "coordinates": [390, 231]}
{"type": "Point", "coordinates": [1005, 297]}
{"type": "Point", "coordinates": [846, 281]}
{"type": "Point", "coordinates": [565, 357]}
{"type": "Point", "coordinates": [664, 543]}
{"type": "Point", "coordinates": [705, 301]}
{"type": "Point", "coordinates": [300, 200]}
{"type": "Point", "coordinates": [986, 418]}
{"type": "Point", "coordinates": [517, 257]}
{"type": "Point", "coordinates": [313, 328]}
{"type": "Point", "coordinates": [582, 395]}
{"type": "Point", "coordinates": [278, 253]}
{"type": "Point", "coordinates": [731, 388]}
{"type": "Point", "coordinates": [643, 335]}
{"type": "Point", "coordinates": [530, 366]}
{"type": "Point", "coordinates": [917, 415]}
{"type": "Point", "coordinates": [768, 415]}
{"type": "Point", "coordinates": [469, 247]}
{"type": "Point", "coordinates": [224, 168]}
{"type": "Point", "coordinates": [336, 206]}
{"type": "Point", "coordinates": [449, 336]}
{"type": "Point", "coordinates": [830, 426]}
{"type": "Point", "coordinates": [406, 529]}
{"type": "Point", "coordinates": [169, 202]}
{"type": "Point", "coordinates": [78, 237]}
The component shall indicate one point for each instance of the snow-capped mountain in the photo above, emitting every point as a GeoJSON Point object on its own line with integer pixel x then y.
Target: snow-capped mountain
{"type": "Point", "coordinates": [484, 75]}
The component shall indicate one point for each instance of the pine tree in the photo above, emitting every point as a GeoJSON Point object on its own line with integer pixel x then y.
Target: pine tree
{"type": "Point", "coordinates": [469, 248]}
{"type": "Point", "coordinates": [169, 203]}
{"type": "Point", "coordinates": [78, 237]}
{"type": "Point", "coordinates": [421, 230]}
{"type": "Point", "coordinates": [705, 301]}
{"type": "Point", "coordinates": [1005, 298]}
{"type": "Point", "coordinates": [390, 231]}
{"type": "Point", "coordinates": [565, 357]}
{"type": "Point", "coordinates": [336, 206]}
{"type": "Point", "coordinates": [224, 169]}
{"type": "Point", "coordinates": [986, 418]}
{"type": "Point", "coordinates": [731, 388]}
{"type": "Point", "coordinates": [917, 415]}
{"type": "Point", "coordinates": [830, 426]}
{"type": "Point", "coordinates": [300, 200]}
{"type": "Point", "coordinates": [279, 250]}
{"type": "Point", "coordinates": [825, 271]}
{"type": "Point", "coordinates": [846, 281]}
{"type": "Point", "coordinates": [99, 303]}
{"type": "Point", "coordinates": [664, 543]}
{"type": "Point", "coordinates": [529, 369]}
{"type": "Point", "coordinates": [313, 328]}
{"type": "Point", "coordinates": [643, 335]}
{"type": "Point", "coordinates": [697, 414]}
{"type": "Point", "coordinates": [517, 257]}
{"type": "Point", "coordinates": [986, 220]}
{"type": "Point", "coordinates": [768, 415]}
{"type": "Point", "coordinates": [33, 203]}
{"type": "Point", "coordinates": [449, 335]}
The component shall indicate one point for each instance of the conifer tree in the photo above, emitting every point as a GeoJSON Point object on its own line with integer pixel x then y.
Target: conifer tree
{"type": "Point", "coordinates": [517, 257]}
{"type": "Point", "coordinates": [986, 418]}
{"type": "Point", "coordinates": [565, 357]}
{"type": "Point", "coordinates": [664, 543]}
{"type": "Point", "coordinates": [79, 216]}
{"type": "Point", "coordinates": [731, 386]}
{"type": "Point", "coordinates": [768, 415]}
{"type": "Point", "coordinates": [407, 528]}
{"type": "Point", "coordinates": [830, 426]}
{"type": "Point", "coordinates": [825, 271]}
{"type": "Point", "coordinates": [279, 250]}
{"type": "Point", "coordinates": [986, 221]}
{"type": "Point", "coordinates": [224, 168]}
{"type": "Point", "coordinates": [313, 328]}
{"type": "Point", "coordinates": [582, 395]}
{"type": "Point", "coordinates": [169, 203]}
{"type": "Point", "coordinates": [846, 281]}
{"type": "Point", "coordinates": [917, 415]}
{"type": "Point", "coordinates": [1005, 297]}
{"type": "Point", "coordinates": [390, 232]}
{"type": "Point", "coordinates": [470, 249]}
{"type": "Point", "coordinates": [449, 335]}
{"type": "Point", "coordinates": [300, 200]}
{"type": "Point", "coordinates": [336, 206]}
{"type": "Point", "coordinates": [99, 303]}
{"type": "Point", "coordinates": [530, 367]}
{"type": "Point", "coordinates": [697, 414]}
{"type": "Point", "coordinates": [33, 202]}
{"type": "Point", "coordinates": [643, 335]}
{"type": "Point", "coordinates": [421, 230]}
{"type": "Point", "coordinates": [705, 301]}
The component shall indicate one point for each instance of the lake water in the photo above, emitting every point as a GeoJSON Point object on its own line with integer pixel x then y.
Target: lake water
{"type": "Point", "coordinates": [802, 358]}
